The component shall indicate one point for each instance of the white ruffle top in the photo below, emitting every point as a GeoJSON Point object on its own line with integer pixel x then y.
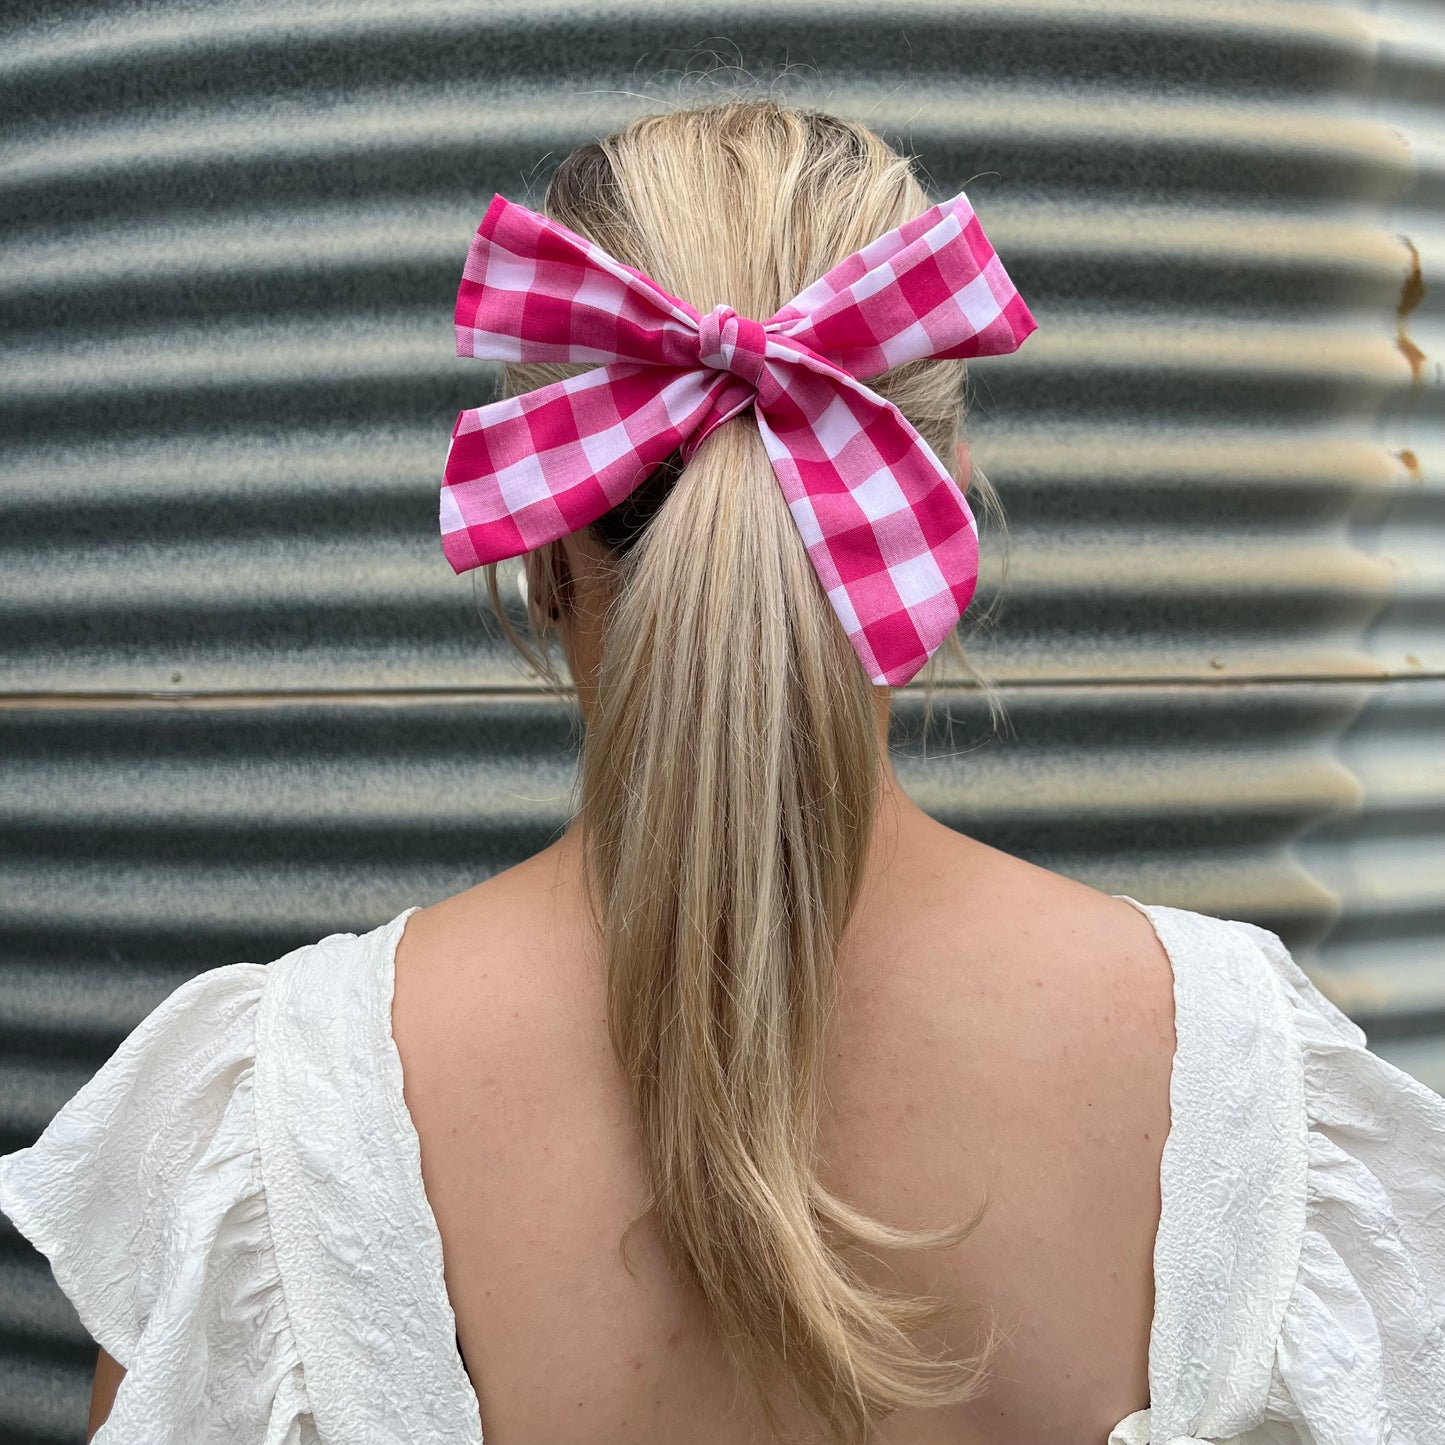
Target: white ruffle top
{"type": "Point", "coordinates": [234, 1205]}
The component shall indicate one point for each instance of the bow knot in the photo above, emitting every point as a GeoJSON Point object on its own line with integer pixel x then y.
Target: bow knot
{"type": "Point", "coordinates": [886, 528]}
{"type": "Point", "coordinates": [733, 343]}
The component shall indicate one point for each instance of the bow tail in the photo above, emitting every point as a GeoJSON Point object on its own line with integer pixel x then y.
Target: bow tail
{"type": "Point", "coordinates": [529, 469]}
{"type": "Point", "coordinates": [896, 550]}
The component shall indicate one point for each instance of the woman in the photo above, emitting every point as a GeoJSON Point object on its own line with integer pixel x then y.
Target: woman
{"type": "Point", "coordinates": [759, 1105]}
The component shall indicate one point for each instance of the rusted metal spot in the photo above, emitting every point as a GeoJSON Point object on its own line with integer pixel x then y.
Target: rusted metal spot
{"type": "Point", "coordinates": [1411, 463]}
{"type": "Point", "coordinates": [1411, 294]}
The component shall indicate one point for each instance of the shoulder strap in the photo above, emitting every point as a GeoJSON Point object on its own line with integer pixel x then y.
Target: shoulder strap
{"type": "Point", "coordinates": [1232, 1182]}
{"type": "Point", "coordinates": [355, 1237]}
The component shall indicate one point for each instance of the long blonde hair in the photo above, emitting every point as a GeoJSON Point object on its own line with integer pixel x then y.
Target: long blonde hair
{"type": "Point", "coordinates": [731, 770]}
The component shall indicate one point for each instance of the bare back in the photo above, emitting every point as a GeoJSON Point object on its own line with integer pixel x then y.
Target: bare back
{"type": "Point", "coordinates": [1002, 1031]}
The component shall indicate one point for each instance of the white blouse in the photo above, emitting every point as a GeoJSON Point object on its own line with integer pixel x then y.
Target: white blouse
{"type": "Point", "coordinates": [234, 1205]}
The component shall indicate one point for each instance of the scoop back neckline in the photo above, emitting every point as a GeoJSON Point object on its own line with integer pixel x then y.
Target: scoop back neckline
{"type": "Point", "coordinates": [415, 1182]}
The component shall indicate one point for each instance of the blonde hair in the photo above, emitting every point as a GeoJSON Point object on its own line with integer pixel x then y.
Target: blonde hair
{"type": "Point", "coordinates": [731, 772]}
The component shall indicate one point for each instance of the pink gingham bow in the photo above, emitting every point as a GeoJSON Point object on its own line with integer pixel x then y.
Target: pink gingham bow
{"type": "Point", "coordinates": [888, 531]}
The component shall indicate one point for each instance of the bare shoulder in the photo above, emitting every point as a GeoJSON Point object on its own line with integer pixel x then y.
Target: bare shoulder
{"type": "Point", "coordinates": [1078, 993]}
{"type": "Point", "coordinates": [1034, 1016]}
{"type": "Point", "coordinates": [512, 906]}
{"type": "Point", "coordinates": [492, 986]}
{"type": "Point", "coordinates": [1044, 955]}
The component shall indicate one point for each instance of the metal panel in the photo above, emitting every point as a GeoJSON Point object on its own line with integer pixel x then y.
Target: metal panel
{"type": "Point", "coordinates": [244, 702]}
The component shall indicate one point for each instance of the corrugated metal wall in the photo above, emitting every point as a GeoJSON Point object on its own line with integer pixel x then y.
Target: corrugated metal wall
{"type": "Point", "coordinates": [245, 702]}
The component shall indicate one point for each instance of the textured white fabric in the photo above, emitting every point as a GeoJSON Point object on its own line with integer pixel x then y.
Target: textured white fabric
{"type": "Point", "coordinates": [146, 1195]}
{"type": "Point", "coordinates": [1300, 1261]}
{"type": "Point", "coordinates": [234, 1204]}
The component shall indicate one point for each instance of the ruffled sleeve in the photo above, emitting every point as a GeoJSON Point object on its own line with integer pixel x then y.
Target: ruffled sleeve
{"type": "Point", "coordinates": [1361, 1349]}
{"type": "Point", "coordinates": [146, 1195]}
{"type": "Point", "coordinates": [1300, 1261]}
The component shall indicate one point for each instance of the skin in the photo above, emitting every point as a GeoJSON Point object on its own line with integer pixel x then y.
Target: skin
{"type": "Point", "coordinates": [1003, 1035]}
{"type": "Point", "coordinates": [108, 1376]}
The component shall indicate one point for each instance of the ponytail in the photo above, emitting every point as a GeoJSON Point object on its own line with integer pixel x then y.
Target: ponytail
{"type": "Point", "coordinates": [730, 778]}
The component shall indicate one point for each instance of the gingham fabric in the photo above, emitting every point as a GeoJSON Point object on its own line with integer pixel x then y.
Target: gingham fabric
{"type": "Point", "coordinates": [888, 530]}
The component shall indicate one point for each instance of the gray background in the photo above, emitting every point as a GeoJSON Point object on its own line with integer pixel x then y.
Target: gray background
{"type": "Point", "coordinates": [244, 702]}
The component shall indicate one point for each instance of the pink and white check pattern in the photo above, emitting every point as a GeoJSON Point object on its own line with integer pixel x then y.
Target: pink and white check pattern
{"type": "Point", "coordinates": [887, 528]}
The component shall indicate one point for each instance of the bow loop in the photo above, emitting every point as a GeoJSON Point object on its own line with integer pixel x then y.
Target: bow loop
{"type": "Point", "coordinates": [886, 528]}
